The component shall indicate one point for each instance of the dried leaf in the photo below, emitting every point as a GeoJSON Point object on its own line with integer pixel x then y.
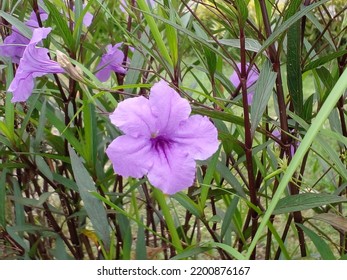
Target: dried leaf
{"type": "Point", "coordinates": [337, 222]}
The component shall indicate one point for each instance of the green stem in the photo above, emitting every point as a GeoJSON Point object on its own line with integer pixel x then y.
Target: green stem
{"type": "Point", "coordinates": [160, 197]}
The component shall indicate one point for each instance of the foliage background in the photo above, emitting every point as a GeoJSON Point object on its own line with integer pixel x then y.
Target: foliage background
{"type": "Point", "coordinates": [59, 196]}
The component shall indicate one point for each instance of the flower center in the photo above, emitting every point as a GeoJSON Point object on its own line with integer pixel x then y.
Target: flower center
{"type": "Point", "coordinates": [160, 143]}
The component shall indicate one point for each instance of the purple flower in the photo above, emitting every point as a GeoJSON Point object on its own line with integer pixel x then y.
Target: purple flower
{"type": "Point", "coordinates": [14, 44]}
{"type": "Point", "coordinates": [293, 146]}
{"type": "Point", "coordinates": [111, 61]}
{"type": "Point", "coordinates": [88, 17]}
{"type": "Point", "coordinates": [251, 79]}
{"type": "Point", "coordinates": [34, 63]}
{"type": "Point", "coordinates": [161, 140]}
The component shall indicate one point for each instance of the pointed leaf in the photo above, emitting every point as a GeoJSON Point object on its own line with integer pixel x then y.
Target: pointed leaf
{"type": "Point", "coordinates": [306, 201]}
{"type": "Point", "coordinates": [263, 90]}
{"type": "Point", "coordinates": [322, 247]}
{"type": "Point", "coordinates": [93, 206]}
{"type": "Point", "coordinates": [335, 221]}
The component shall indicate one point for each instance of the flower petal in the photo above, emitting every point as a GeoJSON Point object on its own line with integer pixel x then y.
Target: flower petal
{"type": "Point", "coordinates": [168, 107]}
{"type": "Point", "coordinates": [34, 63]}
{"type": "Point", "coordinates": [198, 136]}
{"type": "Point", "coordinates": [130, 156]}
{"type": "Point", "coordinates": [251, 79]}
{"type": "Point", "coordinates": [111, 61]}
{"type": "Point", "coordinates": [134, 117]}
{"type": "Point", "coordinates": [14, 45]}
{"type": "Point", "coordinates": [22, 87]}
{"type": "Point", "coordinates": [172, 170]}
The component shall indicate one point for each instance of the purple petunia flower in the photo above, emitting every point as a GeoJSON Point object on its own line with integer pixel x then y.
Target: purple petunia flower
{"type": "Point", "coordinates": [251, 79]}
{"type": "Point", "coordinates": [34, 63]}
{"type": "Point", "coordinates": [14, 44]}
{"type": "Point", "coordinates": [111, 61]}
{"type": "Point", "coordinates": [88, 17]}
{"type": "Point", "coordinates": [161, 140]}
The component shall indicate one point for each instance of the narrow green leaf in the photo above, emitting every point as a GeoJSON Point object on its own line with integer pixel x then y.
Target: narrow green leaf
{"type": "Point", "coordinates": [22, 28]}
{"type": "Point", "coordinates": [191, 252]}
{"type": "Point", "coordinates": [141, 252]}
{"type": "Point", "coordinates": [251, 44]}
{"type": "Point", "coordinates": [230, 250]}
{"type": "Point", "coordinates": [322, 60]}
{"type": "Point", "coordinates": [3, 198]}
{"type": "Point", "coordinates": [40, 127]}
{"type": "Point", "coordinates": [243, 11]}
{"type": "Point", "coordinates": [299, 202]}
{"type": "Point", "coordinates": [93, 206]}
{"type": "Point", "coordinates": [263, 90]}
{"type": "Point", "coordinates": [208, 178]}
{"type": "Point", "coordinates": [322, 247]}
{"type": "Point", "coordinates": [288, 23]}
{"type": "Point", "coordinates": [61, 23]}
{"type": "Point", "coordinates": [224, 116]}
{"type": "Point", "coordinates": [90, 133]}
{"type": "Point", "coordinates": [230, 178]}
{"type": "Point", "coordinates": [228, 217]}
{"type": "Point", "coordinates": [154, 30]}
{"type": "Point", "coordinates": [293, 7]}
{"type": "Point", "coordinates": [188, 203]}
{"type": "Point", "coordinates": [294, 76]}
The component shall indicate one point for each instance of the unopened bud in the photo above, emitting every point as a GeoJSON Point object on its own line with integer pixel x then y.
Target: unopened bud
{"type": "Point", "coordinates": [75, 72]}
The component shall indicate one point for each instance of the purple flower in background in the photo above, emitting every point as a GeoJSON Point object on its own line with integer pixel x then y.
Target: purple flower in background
{"type": "Point", "coordinates": [34, 63]}
{"type": "Point", "coordinates": [15, 44]}
{"type": "Point", "coordinates": [88, 17]}
{"type": "Point", "coordinates": [111, 61]}
{"type": "Point", "coordinates": [251, 79]}
{"type": "Point", "coordinates": [32, 22]}
{"type": "Point", "coordinates": [293, 146]}
{"type": "Point", "coordinates": [161, 140]}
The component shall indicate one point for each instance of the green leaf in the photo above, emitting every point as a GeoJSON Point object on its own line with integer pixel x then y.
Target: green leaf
{"type": "Point", "coordinates": [3, 198]}
{"type": "Point", "coordinates": [230, 250]}
{"type": "Point", "coordinates": [141, 253]}
{"type": "Point", "coordinates": [322, 247]}
{"type": "Point", "coordinates": [188, 203]}
{"type": "Point", "coordinates": [243, 11]}
{"type": "Point", "coordinates": [93, 206]}
{"type": "Point", "coordinates": [154, 30]}
{"type": "Point", "coordinates": [299, 202]}
{"type": "Point", "coordinates": [206, 184]}
{"type": "Point", "coordinates": [224, 116]}
{"type": "Point", "coordinates": [288, 23]}
{"type": "Point", "coordinates": [191, 252]}
{"type": "Point", "coordinates": [228, 217]}
{"type": "Point", "coordinates": [230, 178]}
{"type": "Point", "coordinates": [22, 28]}
{"type": "Point", "coordinates": [322, 60]}
{"type": "Point", "coordinates": [263, 90]}
{"type": "Point", "coordinates": [294, 76]}
{"type": "Point", "coordinates": [251, 44]}
{"type": "Point", "coordinates": [62, 26]}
